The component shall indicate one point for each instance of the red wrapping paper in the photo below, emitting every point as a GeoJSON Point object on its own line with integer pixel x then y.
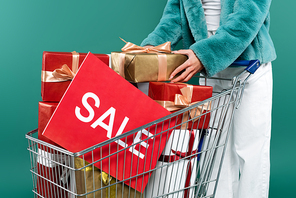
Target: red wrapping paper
{"type": "Point", "coordinates": [46, 157]}
{"type": "Point", "coordinates": [46, 110]}
{"type": "Point", "coordinates": [161, 91]}
{"type": "Point", "coordinates": [53, 91]}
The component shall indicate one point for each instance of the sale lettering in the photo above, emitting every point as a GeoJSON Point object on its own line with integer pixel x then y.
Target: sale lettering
{"type": "Point", "coordinates": [111, 112]}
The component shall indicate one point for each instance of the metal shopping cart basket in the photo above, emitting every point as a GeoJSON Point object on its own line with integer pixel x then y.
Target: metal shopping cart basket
{"type": "Point", "coordinates": [188, 166]}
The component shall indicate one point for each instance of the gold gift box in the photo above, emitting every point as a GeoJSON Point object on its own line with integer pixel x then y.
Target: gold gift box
{"type": "Point", "coordinates": [91, 178]}
{"type": "Point", "coordinates": [144, 67]}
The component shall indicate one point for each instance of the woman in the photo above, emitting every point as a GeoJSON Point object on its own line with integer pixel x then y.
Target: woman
{"type": "Point", "coordinates": [215, 34]}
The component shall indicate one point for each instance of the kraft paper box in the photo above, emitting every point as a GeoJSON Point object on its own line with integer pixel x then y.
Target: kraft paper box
{"type": "Point", "coordinates": [168, 94]}
{"type": "Point", "coordinates": [145, 67]}
{"type": "Point", "coordinates": [175, 169]}
{"type": "Point", "coordinates": [85, 179]}
{"type": "Point", "coordinates": [100, 105]}
{"type": "Point", "coordinates": [58, 68]}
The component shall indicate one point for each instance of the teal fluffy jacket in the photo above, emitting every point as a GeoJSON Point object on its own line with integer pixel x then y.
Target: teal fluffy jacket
{"type": "Point", "coordinates": [243, 33]}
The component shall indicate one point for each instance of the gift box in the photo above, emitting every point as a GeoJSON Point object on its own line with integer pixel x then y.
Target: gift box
{"type": "Point", "coordinates": [47, 167]}
{"type": "Point", "coordinates": [58, 69]}
{"type": "Point", "coordinates": [176, 96]}
{"type": "Point", "coordinates": [97, 112]}
{"type": "Point", "coordinates": [175, 171]}
{"type": "Point", "coordinates": [45, 111]}
{"type": "Point", "coordinates": [88, 178]}
{"type": "Point", "coordinates": [139, 64]}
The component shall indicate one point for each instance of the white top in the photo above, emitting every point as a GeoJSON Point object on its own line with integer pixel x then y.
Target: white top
{"type": "Point", "coordinates": [212, 10]}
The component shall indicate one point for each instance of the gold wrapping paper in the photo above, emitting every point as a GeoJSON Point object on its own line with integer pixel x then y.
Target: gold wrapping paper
{"type": "Point", "coordinates": [91, 178]}
{"type": "Point", "coordinates": [144, 67]}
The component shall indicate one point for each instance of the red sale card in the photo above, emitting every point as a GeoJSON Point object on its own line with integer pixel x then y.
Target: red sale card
{"type": "Point", "coordinates": [99, 105]}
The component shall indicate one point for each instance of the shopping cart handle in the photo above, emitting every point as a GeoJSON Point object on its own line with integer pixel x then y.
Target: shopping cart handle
{"type": "Point", "coordinates": [252, 65]}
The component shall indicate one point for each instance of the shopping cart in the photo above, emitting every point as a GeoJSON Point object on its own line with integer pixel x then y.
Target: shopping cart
{"type": "Point", "coordinates": [188, 167]}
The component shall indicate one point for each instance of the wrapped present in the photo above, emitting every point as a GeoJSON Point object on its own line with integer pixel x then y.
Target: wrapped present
{"type": "Point", "coordinates": [175, 171]}
{"type": "Point", "coordinates": [45, 111]}
{"type": "Point", "coordinates": [48, 159]}
{"type": "Point", "coordinates": [97, 112]}
{"type": "Point", "coordinates": [88, 179]}
{"type": "Point", "coordinates": [58, 69]}
{"type": "Point", "coordinates": [139, 64]}
{"type": "Point", "coordinates": [176, 96]}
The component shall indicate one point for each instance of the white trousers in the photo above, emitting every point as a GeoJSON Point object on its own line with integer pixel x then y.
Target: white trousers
{"type": "Point", "coordinates": [246, 166]}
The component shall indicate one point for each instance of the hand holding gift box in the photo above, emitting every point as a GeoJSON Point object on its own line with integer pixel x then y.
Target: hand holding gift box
{"type": "Point", "coordinates": [142, 64]}
{"type": "Point", "coordinates": [100, 105]}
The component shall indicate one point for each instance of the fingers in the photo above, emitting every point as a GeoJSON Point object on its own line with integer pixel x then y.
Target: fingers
{"type": "Point", "coordinates": [189, 67]}
{"type": "Point", "coordinates": [179, 69]}
{"type": "Point", "coordinates": [186, 64]}
{"type": "Point", "coordinates": [185, 75]}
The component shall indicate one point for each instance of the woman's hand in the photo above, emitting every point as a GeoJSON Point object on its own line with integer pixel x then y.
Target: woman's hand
{"type": "Point", "coordinates": [190, 67]}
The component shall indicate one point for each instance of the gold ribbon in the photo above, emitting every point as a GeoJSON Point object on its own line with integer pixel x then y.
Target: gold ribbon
{"type": "Point", "coordinates": [105, 177]}
{"type": "Point", "coordinates": [79, 163]}
{"type": "Point", "coordinates": [183, 100]}
{"type": "Point", "coordinates": [64, 73]}
{"type": "Point", "coordinates": [132, 48]}
{"type": "Point", "coordinates": [162, 58]}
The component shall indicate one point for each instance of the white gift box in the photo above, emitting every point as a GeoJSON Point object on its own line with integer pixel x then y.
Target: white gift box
{"type": "Point", "coordinates": [167, 178]}
{"type": "Point", "coordinates": [170, 175]}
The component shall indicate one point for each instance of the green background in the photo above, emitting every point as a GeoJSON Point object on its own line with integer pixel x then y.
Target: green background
{"type": "Point", "coordinates": [27, 28]}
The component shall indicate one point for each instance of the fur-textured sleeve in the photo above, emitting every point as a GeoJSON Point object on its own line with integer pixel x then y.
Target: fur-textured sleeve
{"type": "Point", "coordinates": [169, 27]}
{"type": "Point", "coordinates": [236, 35]}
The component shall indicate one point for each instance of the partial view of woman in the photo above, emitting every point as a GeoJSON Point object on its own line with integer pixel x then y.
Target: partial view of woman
{"type": "Point", "coordinates": [214, 34]}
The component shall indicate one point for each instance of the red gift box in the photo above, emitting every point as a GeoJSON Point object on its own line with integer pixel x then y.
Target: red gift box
{"type": "Point", "coordinates": [46, 110]}
{"type": "Point", "coordinates": [50, 172]}
{"type": "Point", "coordinates": [58, 68]}
{"type": "Point", "coordinates": [99, 105]}
{"type": "Point", "coordinates": [175, 96]}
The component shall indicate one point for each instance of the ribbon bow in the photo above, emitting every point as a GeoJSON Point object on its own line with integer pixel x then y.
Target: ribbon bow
{"type": "Point", "coordinates": [64, 73]}
{"type": "Point", "coordinates": [183, 100]}
{"type": "Point", "coordinates": [159, 50]}
{"type": "Point", "coordinates": [132, 48]}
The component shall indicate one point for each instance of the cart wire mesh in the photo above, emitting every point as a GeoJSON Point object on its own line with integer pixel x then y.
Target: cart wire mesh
{"type": "Point", "coordinates": [188, 166]}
